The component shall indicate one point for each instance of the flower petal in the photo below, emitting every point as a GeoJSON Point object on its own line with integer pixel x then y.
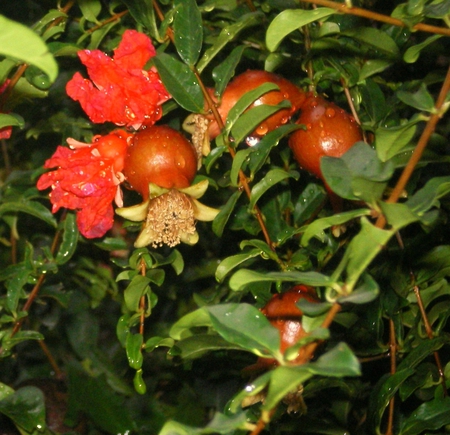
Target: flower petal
{"type": "Point", "coordinates": [202, 212]}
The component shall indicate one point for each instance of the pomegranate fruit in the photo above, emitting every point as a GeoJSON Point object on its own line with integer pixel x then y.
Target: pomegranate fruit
{"type": "Point", "coordinates": [159, 155]}
{"type": "Point", "coordinates": [113, 146]}
{"type": "Point", "coordinates": [330, 131]}
{"type": "Point", "coordinates": [282, 312]}
{"type": "Point", "coordinates": [249, 80]}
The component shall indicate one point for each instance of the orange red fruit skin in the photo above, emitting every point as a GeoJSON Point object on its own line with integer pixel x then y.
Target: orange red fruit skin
{"type": "Point", "coordinates": [159, 155]}
{"type": "Point", "coordinates": [282, 312]}
{"type": "Point", "coordinates": [330, 131]}
{"type": "Point", "coordinates": [250, 80]}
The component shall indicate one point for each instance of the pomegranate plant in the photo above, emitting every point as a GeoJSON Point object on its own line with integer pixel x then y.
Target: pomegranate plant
{"type": "Point", "coordinates": [171, 262]}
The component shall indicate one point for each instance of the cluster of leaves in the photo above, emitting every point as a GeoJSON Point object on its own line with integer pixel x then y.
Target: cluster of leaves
{"type": "Point", "coordinates": [99, 337]}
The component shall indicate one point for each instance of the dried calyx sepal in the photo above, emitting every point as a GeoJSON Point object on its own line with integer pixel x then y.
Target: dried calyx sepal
{"type": "Point", "coordinates": [169, 215]}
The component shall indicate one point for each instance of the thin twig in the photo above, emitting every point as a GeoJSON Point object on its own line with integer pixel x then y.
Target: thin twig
{"type": "Point", "coordinates": [393, 356]}
{"type": "Point", "coordinates": [342, 7]}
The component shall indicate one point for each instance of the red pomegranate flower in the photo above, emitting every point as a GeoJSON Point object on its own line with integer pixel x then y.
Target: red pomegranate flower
{"type": "Point", "coordinates": [86, 179]}
{"type": "Point", "coordinates": [120, 90]}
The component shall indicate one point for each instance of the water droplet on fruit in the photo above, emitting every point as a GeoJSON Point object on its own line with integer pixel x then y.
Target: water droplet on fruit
{"type": "Point", "coordinates": [330, 112]}
{"type": "Point", "coordinates": [180, 161]}
{"type": "Point", "coordinates": [262, 129]}
{"type": "Point", "coordinates": [286, 96]}
{"type": "Point", "coordinates": [284, 120]}
{"type": "Point", "coordinates": [308, 126]}
{"type": "Point", "coordinates": [321, 124]}
{"type": "Point", "coordinates": [322, 133]}
{"type": "Point", "coordinates": [313, 103]}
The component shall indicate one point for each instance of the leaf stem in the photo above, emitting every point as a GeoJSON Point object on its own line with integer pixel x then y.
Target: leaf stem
{"type": "Point", "coordinates": [360, 12]}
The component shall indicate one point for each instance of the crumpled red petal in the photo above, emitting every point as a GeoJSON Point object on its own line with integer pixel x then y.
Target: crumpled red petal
{"type": "Point", "coordinates": [119, 89]}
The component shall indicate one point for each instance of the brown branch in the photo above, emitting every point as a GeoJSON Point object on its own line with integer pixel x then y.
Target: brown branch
{"type": "Point", "coordinates": [341, 7]}
{"type": "Point", "coordinates": [393, 356]}
{"type": "Point", "coordinates": [420, 148]}
{"type": "Point", "coordinates": [115, 17]}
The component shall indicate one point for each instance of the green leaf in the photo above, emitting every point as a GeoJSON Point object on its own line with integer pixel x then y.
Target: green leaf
{"type": "Point", "coordinates": [338, 362]}
{"type": "Point", "coordinates": [90, 9]}
{"type": "Point", "coordinates": [182, 328]}
{"type": "Point", "coordinates": [309, 201]}
{"type": "Point", "coordinates": [389, 141]}
{"type": "Point", "coordinates": [133, 346]}
{"type": "Point", "coordinates": [143, 13]}
{"type": "Point", "coordinates": [316, 228]}
{"type": "Point", "coordinates": [427, 196]}
{"type": "Point", "coordinates": [358, 174]}
{"type": "Point", "coordinates": [245, 101]}
{"type": "Point", "coordinates": [229, 263]}
{"type": "Point", "coordinates": [272, 178]}
{"type": "Point", "coordinates": [244, 325]}
{"type": "Point", "coordinates": [26, 408]}
{"type": "Point", "coordinates": [254, 118]}
{"type": "Point", "coordinates": [9, 342]}
{"type": "Point", "coordinates": [432, 415]}
{"type": "Point", "coordinates": [244, 277]}
{"type": "Point", "coordinates": [221, 219]}
{"type": "Point", "coordinates": [197, 345]}
{"type": "Point", "coordinates": [137, 288]}
{"type": "Point", "coordinates": [284, 380]}
{"type": "Point", "coordinates": [13, 120]}
{"type": "Point", "coordinates": [420, 100]}
{"type": "Point", "coordinates": [33, 208]}
{"type": "Point", "coordinates": [69, 241]}
{"type": "Point", "coordinates": [180, 82]}
{"type": "Point", "coordinates": [188, 30]}
{"type": "Point", "coordinates": [5, 391]}
{"type": "Point", "coordinates": [23, 44]}
{"type": "Point", "coordinates": [366, 292]}
{"type": "Point", "coordinates": [376, 38]}
{"type": "Point", "coordinates": [383, 392]}
{"type": "Point", "coordinates": [292, 19]}
{"type": "Point", "coordinates": [412, 53]}
{"type": "Point", "coordinates": [227, 34]}
{"type": "Point", "coordinates": [223, 72]}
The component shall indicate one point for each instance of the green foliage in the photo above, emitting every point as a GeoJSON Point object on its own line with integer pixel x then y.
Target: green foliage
{"type": "Point", "coordinates": [168, 341]}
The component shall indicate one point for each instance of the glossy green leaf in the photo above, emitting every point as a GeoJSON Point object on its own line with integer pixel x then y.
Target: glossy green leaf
{"type": "Point", "coordinates": [188, 30]}
{"type": "Point", "coordinates": [222, 218]}
{"type": "Point", "coordinates": [432, 415]}
{"type": "Point", "coordinates": [225, 71]}
{"type": "Point", "coordinates": [182, 328]}
{"type": "Point", "coordinates": [254, 118]}
{"type": "Point", "coordinates": [398, 215]}
{"type": "Point", "coordinates": [272, 178]}
{"type": "Point", "coordinates": [375, 38]}
{"type": "Point", "coordinates": [154, 342]}
{"type": "Point", "coordinates": [197, 345]}
{"type": "Point", "coordinates": [245, 101]}
{"type": "Point", "coordinates": [245, 326]}
{"type": "Point", "coordinates": [244, 277]}
{"type": "Point", "coordinates": [292, 19]}
{"type": "Point", "coordinates": [230, 263]}
{"type": "Point", "coordinates": [21, 43]}
{"type": "Point", "coordinates": [137, 288]}
{"type": "Point", "coordinates": [139, 383]}
{"type": "Point", "coordinates": [363, 248]}
{"type": "Point", "coordinates": [389, 141]}
{"type": "Point", "coordinates": [26, 408]}
{"type": "Point", "coordinates": [317, 227]}
{"type": "Point", "coordinates": [143, 13]}
{"type": "Point", "coordinates": [372, 67]}
{"type": "Point", "coordinates": [33, 208]}
{"type": "Point", "coordinates": [358, 174]}
{"type": "Point", "coordinates": [284, 380]}
{"type": "Point", "coordinates": [368, 291]}
{"type": "Point", "coordinates": [112, 244]}
{"type": "Point", "coordinates": [426, 197]}
{"type": "Point", "coordinates": [412, 53]}
{"type": "Point", "coordinates": [227, 34]}
{"type": "Point", "coordinates": [339, 361]}
{"type": "Point", "coordinates": [90, 9]}
{"type": "Point", "coordinates": [308, 202]}
{"type": "Point", "coordinates": [420, 100]}
{"type": "Point", "coordinates": [180, 81]}
{"type": "Point", "coordinates": [133, 346]}
{"type": "Point", "coordinates": [9, 342]}
{"type": "Point", "coordinates": [69, 240]}
{"type": "Point", "coordinates": [13, 120]}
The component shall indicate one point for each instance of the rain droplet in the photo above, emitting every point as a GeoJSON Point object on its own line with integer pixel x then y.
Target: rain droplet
{"type": "Point", "coordinates": [180, 161]}
{"type": "Point", "coordinates": [330, 112]}
{"type": "Point", "coordinates": [262, 129]}
{"type": "Point", "coordinates": [251, 141]}
{"type": "Point", "coordinates": [284, 120]}
{"type": "Point", "coordinates": [308, 126]}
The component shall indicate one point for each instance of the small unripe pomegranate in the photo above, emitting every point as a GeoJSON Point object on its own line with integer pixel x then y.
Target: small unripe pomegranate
{"type": "Point", "coordinates": [159, 155]}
